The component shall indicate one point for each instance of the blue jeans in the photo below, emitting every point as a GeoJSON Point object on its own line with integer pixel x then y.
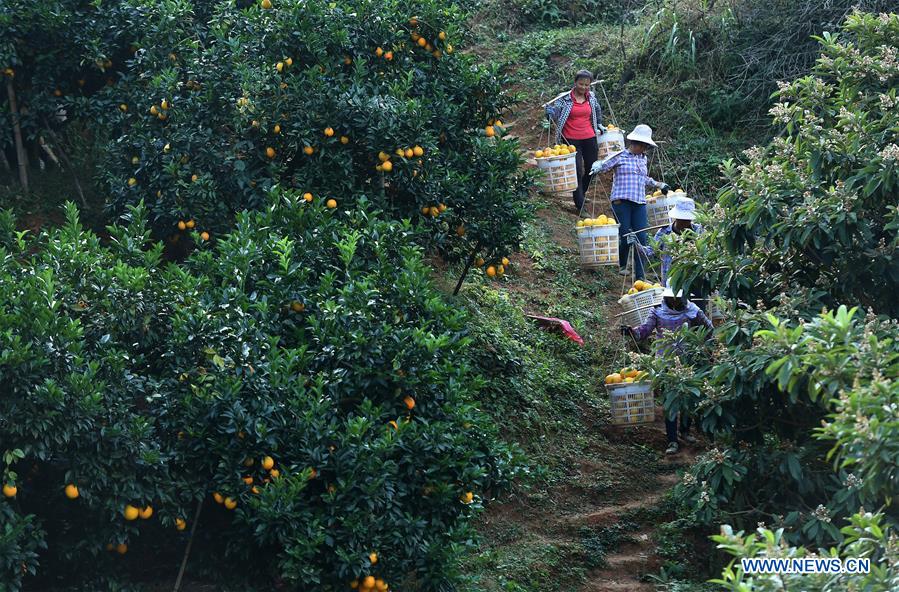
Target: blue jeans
{"type": "Point", "coordinates": [671, 426]}
{"type": "Point", "coordinates": [631, 216]}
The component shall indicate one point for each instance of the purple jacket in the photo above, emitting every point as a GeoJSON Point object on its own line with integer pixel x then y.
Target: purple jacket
{"type": "Point", "coordinates": [661, 319]}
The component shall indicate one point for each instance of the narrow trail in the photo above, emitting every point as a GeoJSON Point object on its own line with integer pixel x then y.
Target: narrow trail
{"type": "Point", "coordinates": [625, 567]}
{"type": "Point", "coordinates": [620, 487]}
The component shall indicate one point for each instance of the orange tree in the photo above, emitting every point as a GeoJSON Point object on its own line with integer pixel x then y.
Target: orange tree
{"type": "Point", "coordinates": [212, 103]}
{"type": "Point", "coordinates": [299, 378]}
{"type": "Point", "coordinates": [57, 56]}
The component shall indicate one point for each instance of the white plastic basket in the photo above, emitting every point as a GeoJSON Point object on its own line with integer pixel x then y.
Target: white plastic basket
{"type": "Point", "coordinates": [638, 306]}
{"type": "Point", "coordinates": [598, 245]}
{"type": "Point", "coordinates": [657, 209]}
{"type": "Point", "coordinates": [609, 143]}
{"type": "Point", "coordinates": [632, 403]}
{"type": "Point", "coordinates": [560, 172]}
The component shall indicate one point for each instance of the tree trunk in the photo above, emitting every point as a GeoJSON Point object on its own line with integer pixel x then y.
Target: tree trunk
{"type": "Point", "coordinates": [471, 259]}
{"type": "Point", "coordinates": [17, 132]}
{"type": "Point", "coordinates": [65, 159]}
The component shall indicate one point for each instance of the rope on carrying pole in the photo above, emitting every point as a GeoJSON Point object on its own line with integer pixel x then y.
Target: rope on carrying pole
{"type": "Point", "coordinates": [608, 103]}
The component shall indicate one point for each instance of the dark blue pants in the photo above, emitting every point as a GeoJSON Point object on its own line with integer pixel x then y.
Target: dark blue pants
{"type": "Point", "coordinates": [587, 151]}
{"type": "Point", "coordinates": [671, 427]}
{"type": "Point", "coordinates": [631, 216]}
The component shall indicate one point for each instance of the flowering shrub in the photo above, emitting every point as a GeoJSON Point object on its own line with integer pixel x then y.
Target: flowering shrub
{"type": "Point", "coordinates": [802, 403]}
{"type": "Point", "coordinates": [814, 213]}
{"type": "Point", "coordinates": [867, 536]}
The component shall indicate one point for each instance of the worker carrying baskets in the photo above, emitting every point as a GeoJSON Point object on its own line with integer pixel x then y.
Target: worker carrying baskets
{"type": "Point", "coordinates": [628, 194]}
{"type": "Point", "coordinates": [578, 119]}
{"type": "Point", "coordinates": [683, 216]}
{"type": "Point", "coordinates": [674, 312]}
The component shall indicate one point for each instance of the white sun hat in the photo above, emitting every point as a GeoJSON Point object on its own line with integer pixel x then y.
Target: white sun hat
{"type": "Point", "coordinates": [642, 133]}
{"type": "Point", "coordinates": [684, 209]}
{"type": "Point", "coordinates": [669, 293]}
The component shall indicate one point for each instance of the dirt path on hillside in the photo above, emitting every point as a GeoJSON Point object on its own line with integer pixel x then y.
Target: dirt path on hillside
{"type": "Point", "coordinates": [608, 505]}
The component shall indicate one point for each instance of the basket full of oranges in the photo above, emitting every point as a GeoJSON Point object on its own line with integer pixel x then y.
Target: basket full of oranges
{"type": "Point", "coordinates": [609, 143]}
{"type": "Point", "coordinates": [658, 206]}
{"type": "Point", "coordinates": [559, 164]}
{"type": "Point", "coordinates": [639, 300]}
{"type": "Point", "coordinates": [630, 397]}
{"type": "Point", "coordinates": [597, 241]}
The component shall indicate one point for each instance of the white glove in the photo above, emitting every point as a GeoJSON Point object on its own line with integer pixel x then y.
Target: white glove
{"type": "Point", "coordinates": [631, 238]}
{"type": "Point", "coordinates": [596, 166]}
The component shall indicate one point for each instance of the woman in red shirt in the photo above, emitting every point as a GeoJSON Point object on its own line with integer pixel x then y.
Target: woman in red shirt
{"type": "Point", "coordinates": [578, 119]}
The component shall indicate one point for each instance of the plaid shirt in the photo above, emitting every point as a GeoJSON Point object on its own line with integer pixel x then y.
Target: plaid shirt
{"type": "Point", "coordinates": [631, 177]}
{"type": "Point", "coordinates": [650, 251]}
{"type": "Point", "coordinates": [559, 111]}
{"type": "Point", "coordinates": [661, 319]}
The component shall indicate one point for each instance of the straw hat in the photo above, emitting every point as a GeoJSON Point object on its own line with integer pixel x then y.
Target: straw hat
{"type": "Point", "coordinates": [684, 209]}
{"type": "Point", "coordinates": [642, 133]}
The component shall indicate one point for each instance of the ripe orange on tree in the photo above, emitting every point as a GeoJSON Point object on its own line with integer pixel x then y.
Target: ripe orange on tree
{"type": "Point", "coordinates": [71, 491]}
{"type": "Point", "coordinates": [331, 203]}
{"type": "Point", "coordinates": [10, 490]}
{"type": "Point", "coordinates": [268, 462]}
{"type": "Point", "coordinates": [130, 512]}
{"type": "Point", "coordinates": [329, 132]}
